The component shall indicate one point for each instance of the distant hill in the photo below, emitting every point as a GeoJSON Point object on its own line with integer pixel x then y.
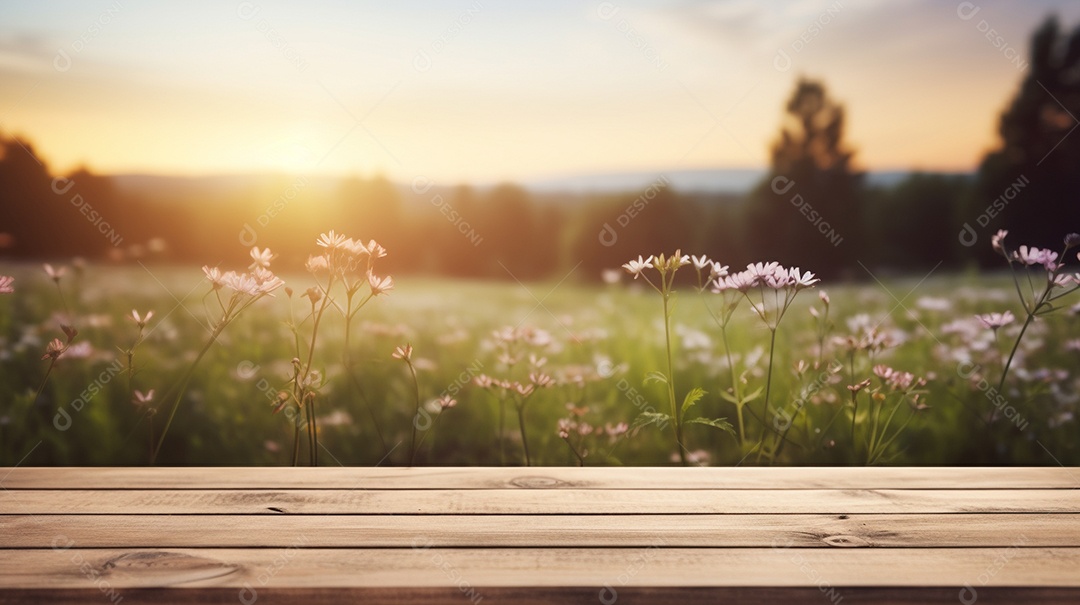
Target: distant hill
{"type": "Point", "coordinates": [726, 181]}
{"type": "Point", "coordinates": [717, 180]}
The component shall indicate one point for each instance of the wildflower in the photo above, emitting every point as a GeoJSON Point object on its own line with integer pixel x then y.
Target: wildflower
{"type": "Point", "coordinates": [1072, 240]}
{"type": "Point", "coordinates": [375, 250]}
{"type": "Point", "coordinates": [717, 271]}
{"type": "Point", "coordinates": [666, 264]}
{"type": "Point", "coordinates": [403, 353]}
{"type": "Point", "coordinates": [267, 281]}
{"type": "Point", "coordinates": [379, 284]}
{"type": "Point", "coordinates": [1062, 280]}
{"type": "Point", "coordinates": [758, 272]}
{"type": "Point", "coordinates": [801, 280]}
{"type": "Point", "coordinates": [994, 321]}
{"type": "Point", "coordinates": [54, 349]}
{"type": "Point", "coordinates": [81, 350]}
{"type": "Point", "coordinates": [997, 241]}
{"type": "Point", "coordinates": [930, 303]}
{"type": "Point", "coordinates": [635, 267]}
{"type": "Point", "coordinates": [214, 275]}
{"type": "Point", "coordinates": [779, 280]}
{"type": "Point", "coordinates": [678, 260]}
{"type": "Point", "coordinates": [522, 389]}
{"type": "Point", "coordinates": [741, 281]}
{"type": "Point", "coordinates": [698, 457]}
{"type": "Point", "coordinates": [610, 276]}
{"type": "Point", "coordinates": [5, 284]}
{"type": "Point", "coordinates": [1037, 256]}
{"type": "Point", "coordinates": [69, 331]}
{"type": "Point", "coordinates": [701, 262]}
{"type": "Point", "coordinates": [573, 410]}
{"type": "Point", "coordinates": [140, 399]}
{"type": "Point", "coordinates": [824, 296]}
{"type": "Point", "coordinates": [614, 431]}
{"type": "Point", "coordinates": [541, 380]}
{"type": "Point", "coordinates": [897, 380]}
{"type": "Point", "coordinates": [330, 240]}
{"type": "Point", "coordinates": [142, 320]}
{"type": "Point", "coordinates": [354, 247]}
{"type": "Point", "coordinates": [855, 388]}
{"type": "Point", "coordinates": [241, 282]}
{"type": "Point", "coordinates": [262, 257]}
{"type": "Point", "coordinates": [446, 401]}
{"type": "Point", "coordinates": [800, 367]}
{"type": "Point", "coordinates": [262, 274]}
{"type": "Point", "coordinates": [54, 274]}
{"type": "Point", "coordinates": [314, 294]}
{"type": "Point", "coordinates": [317, 264]}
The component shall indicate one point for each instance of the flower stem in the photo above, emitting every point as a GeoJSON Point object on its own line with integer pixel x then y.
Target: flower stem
{"type": "Point", "coordinates": [580, 458]}
{"type": "Point", "coordinates": [313, 434]}
{"type": "Point", "coordinates": [502, 430]}
{"type": "Point", "coordinates": [183, 388]}
{"type": "Point", "coordinates": [734, 386]}
{"type": "Point", "coordinates": [524, 438]}
{"type": "Point", "coordinates": [416, 412]}
{"type": "Point", "coordinates": [675, 412]}
{"type": "Point", "coordinates": [1016, 345]}
{"type": "Point", "coordinates": [350, 313]}
{"type": "Point", "coordinates": [296, 443]}
{"type": "Point", "coordinates": [768, 392]}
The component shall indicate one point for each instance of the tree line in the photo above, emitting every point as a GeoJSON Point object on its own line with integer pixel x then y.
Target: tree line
{"type": "Point", "coordinates": [814, 208]}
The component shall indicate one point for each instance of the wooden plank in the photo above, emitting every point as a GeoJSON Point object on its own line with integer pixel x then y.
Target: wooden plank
{"type": "Point", "coordinates": [532, 595]}
{"type": "Point", "coordinates": [363, 531]}
{"type": "Point", "coordinates": [547, 477]}
{"type": "Point", "coordinates": [538, 502]}
{"type": "Point", "coordinates": [547, 567]}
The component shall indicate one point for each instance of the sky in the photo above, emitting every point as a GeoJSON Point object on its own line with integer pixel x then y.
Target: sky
{"type": "Point", "coordinates": [481, 90]}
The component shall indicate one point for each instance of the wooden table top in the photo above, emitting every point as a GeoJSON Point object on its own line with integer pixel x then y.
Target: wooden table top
{"type": "Point", "coordinates": [538, 535]}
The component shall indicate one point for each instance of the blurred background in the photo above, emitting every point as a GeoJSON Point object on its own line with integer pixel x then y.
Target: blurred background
{"type": "Point", "coordinates": [486, 140]}
{"type": "Point", "coordinates": [510, 157]}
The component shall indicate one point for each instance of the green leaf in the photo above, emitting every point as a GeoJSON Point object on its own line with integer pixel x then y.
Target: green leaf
{"type": "Point", "coordinates": [647, 418]}
{"type": "Point", "coordinates": [655, 376]}
{"type": "Point", "coordinates": [692, 397]}
{"type": "Point", "coordinates": [716, 423]}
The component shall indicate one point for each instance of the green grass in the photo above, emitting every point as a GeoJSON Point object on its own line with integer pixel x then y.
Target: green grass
{"type": "Point", "coordinates": [226, 415]}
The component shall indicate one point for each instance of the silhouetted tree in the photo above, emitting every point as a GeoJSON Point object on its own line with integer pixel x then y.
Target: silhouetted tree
{"type": "Point", "coordinates": [807, 211]}
{"type": "Point", "coordinates": [27, 206]}
{"type": "Point", "coordinates": [457, 237]}
{"type": "Point", "coordinates": [617, 228]}
{"type": "Point", "coordinates": [914, 224]}
{"type": "Point", "coordinates": [1030, 185]}
{"type": "Point", "coordinates": [372, 209]}
{"type": "Point", "coordinates": [512, 246]}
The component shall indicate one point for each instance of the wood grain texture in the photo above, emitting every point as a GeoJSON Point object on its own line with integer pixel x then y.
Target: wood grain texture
{"type": "Point", "coordinates": [626, 531]}
{"type": "Point", "coordinates": [548, 567]}
{"type": "Point", "coordinates": [542, 478]}
{"type": "Point", "coordinates": [535, 502]}
{"type": "Point", "coordinates": [535, 595]}
{"type": "Point", "coordinates": [560, 535]}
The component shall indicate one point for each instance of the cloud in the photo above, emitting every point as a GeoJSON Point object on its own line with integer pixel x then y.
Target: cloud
{"type": "Point", "coordinates": [25, 51]}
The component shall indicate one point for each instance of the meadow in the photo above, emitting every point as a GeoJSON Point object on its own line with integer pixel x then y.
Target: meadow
{"type": "Point", "coordinates": [897, 371]}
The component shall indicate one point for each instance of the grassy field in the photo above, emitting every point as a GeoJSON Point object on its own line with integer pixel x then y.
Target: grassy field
{"type": "Point", "coordinates": [598, 344]}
